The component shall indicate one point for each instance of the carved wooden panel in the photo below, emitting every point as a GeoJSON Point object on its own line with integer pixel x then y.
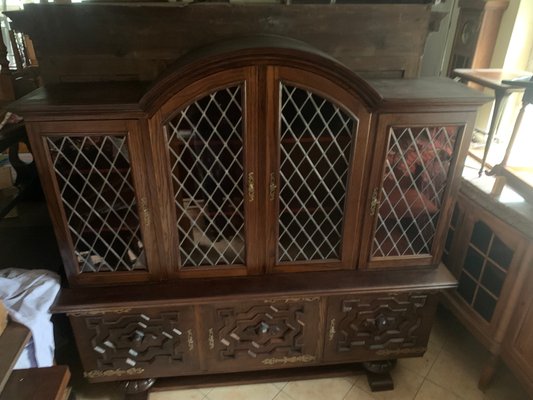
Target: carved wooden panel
{"type": "Point", "coordinates": [130, 344]}
{"type": "Point", "coordinates": [265, 334]}
{"type": "Point", "coordinates": [386, 326]}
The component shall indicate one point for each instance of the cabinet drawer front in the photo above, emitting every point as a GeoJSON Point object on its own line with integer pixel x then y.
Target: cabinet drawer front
{"type": "Point", "coordinates": [132, 344]}
{"type": "Point", "coordinates": [262, 334]}
{"type": "Point", "coordinates": [362, 328]}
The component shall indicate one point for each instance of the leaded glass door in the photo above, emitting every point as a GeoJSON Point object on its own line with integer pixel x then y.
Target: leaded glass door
{"type": "Point", "coordinates": [93, 174]}
{"type": "Point", "coordinates": [315, 172]}
{"type": "Point", "coordinates": [408, 206]}
{"type": "Point", "coordinates": [210, 136]}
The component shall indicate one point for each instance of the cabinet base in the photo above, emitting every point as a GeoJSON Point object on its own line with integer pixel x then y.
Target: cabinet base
{"type": "Point", "coordinates": [380, 381]}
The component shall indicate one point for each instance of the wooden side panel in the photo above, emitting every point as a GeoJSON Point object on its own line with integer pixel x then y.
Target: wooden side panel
{"type": "Point", "coordinates": [109, 42]}
{"type": "Point", "coordinates": [518, 346]}
{"type": "Point", "coordinates": [378, 327]}
{"type": "Point", "coordinates": [273, 333]}
{"type": "Point", "coordinates": [126, 344]}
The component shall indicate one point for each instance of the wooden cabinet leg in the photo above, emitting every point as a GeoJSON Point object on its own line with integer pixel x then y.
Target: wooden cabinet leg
{"type": "Point", "coordinates": [488, 371]}
{"type": "Point", "coordinates": [137, 389]}
{"type": "Point", "coordinates": [378, 375]}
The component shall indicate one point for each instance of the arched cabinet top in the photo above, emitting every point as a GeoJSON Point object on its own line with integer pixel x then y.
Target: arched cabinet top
{"type": "Point", "coordinates": [250, 52]}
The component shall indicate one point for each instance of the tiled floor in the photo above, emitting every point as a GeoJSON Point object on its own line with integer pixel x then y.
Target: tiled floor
{"type": "Point", "coordinates": [449, 371]}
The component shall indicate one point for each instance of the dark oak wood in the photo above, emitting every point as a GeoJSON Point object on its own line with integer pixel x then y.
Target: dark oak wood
{"type": "Point", "coordinates": [38, 133]}
{"type": "Point", "coordinates": [463, 124]}
{"type": "Point", "coordinates": [97, 42]}
{"type": "Point", "coordinates": [243, 378]}
{"type": "Point", "coordinates": [196, 291]}
{"type": "Point", "coordinates": [37, 383]}
{"type": "Point", "coordinates": [257, 312]}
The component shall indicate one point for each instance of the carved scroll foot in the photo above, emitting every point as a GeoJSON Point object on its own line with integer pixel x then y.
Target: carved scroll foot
{"type": "Point", "coordinates": [378, 375]}
{"type": "Point", "coordinates": [137, 389]}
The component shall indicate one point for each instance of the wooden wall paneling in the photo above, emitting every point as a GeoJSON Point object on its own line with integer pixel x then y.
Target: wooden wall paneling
{"type": "Point", "coordinates": [116, 42]}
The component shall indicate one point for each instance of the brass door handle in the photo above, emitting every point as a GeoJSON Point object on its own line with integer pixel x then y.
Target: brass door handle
{"type": "Point", "coordinates": [374, 203]}
{"type": "Point", "coordinates": [272, 186]}
{"type": "Point", "coordinates": [145, 211]}
{"type": "Point", "coordinates": [251, 186]}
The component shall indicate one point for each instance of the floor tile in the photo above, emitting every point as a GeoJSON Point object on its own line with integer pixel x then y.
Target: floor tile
{"type": "Point", "coordinates": [421, 365]}
{"type": "Point", "coordinates": [431, 391]}
{"type": "Point", "coordinates": [458, 373]}
{"type": "Point", "coordinates": [505, 386]}
{"type": "Point", "coordinates": [190, 394]}
{"type": "Point", "coordinates": [206, 390]}
{"type": "Point", "coordinates": [283, 396]}
{"type": "Point", "coordinates": [279, 385]}
{"type": "Point", "coordinates": [406, 385]}
{"type": "Point", "coordinates": [356, 393]}
{"type": "Point", "coordinates": [318, 389]}
{"type": "Point", "coordinates": [265, 391]}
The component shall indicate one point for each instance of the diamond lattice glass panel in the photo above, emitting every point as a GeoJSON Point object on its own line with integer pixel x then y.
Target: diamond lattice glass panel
{"type": "Point", "coordinates": [416, 174]}
{"type": "Point", "coordinates": [94, 178]}
{"type": "Point", "coordinates": [205, 142]}
{"type": "Point", "coordinates": [315, 146]}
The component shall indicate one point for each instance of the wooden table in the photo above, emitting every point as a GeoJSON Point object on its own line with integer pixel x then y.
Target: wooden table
{"type": "Point", "coordinates": [12, 342]}
{"type": "Point", "coordinates": [492, 79]}
{"type": "Point", "coordinates": [27, 384]}
{"type": "Point", "coordinates": [37, 383]}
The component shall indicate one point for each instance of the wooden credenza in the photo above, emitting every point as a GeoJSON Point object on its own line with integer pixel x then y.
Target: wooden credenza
{"type": "Point", "coordinates": [259, 207]}
{"type": "Point", "coordinates": [489, 249]}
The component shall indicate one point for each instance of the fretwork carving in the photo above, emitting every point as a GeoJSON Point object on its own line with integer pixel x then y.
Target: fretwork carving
{"type": "Point", "coordinates": [259, 331]}
{"type": "Point", "coordinates": [137, 339]}
{"type": "Point", "coordinates": [386, 322]}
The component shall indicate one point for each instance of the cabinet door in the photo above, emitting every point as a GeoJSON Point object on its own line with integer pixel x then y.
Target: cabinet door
{"type": "Point", "coordinates": [489, 264]}
{"type": "Point", "coordinates": [378, 327]}
{"type": "Point", "coordinates": [317, 135]}
{"type": "Point", "coordinates": [272, 333]}
{"type": "Point", "coordinates": [125, 344]}
{"type": "Point", "coordinates": [94, 179]}
{"type": "Point", "coordinates": [205, 145]}
{"type": "Point", "coordinates": [413, 181]}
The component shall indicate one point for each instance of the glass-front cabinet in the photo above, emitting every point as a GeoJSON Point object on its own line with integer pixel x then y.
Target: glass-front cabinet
{"type": "Point", "coordinates": [253, 169]}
